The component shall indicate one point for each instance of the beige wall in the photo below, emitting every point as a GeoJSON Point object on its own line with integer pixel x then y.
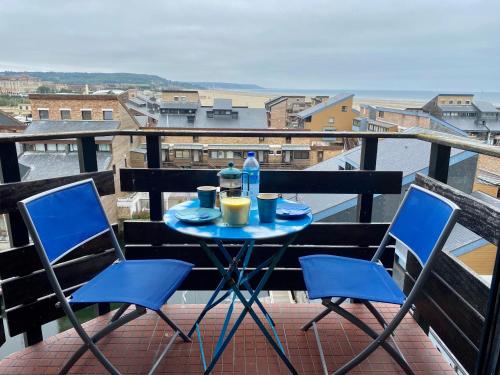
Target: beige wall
{"type": "Point", "coordinates": [342, 120]}
{"type": "Point", "coordinates": [445, 99]}
{"type": "Point", "coordinates": [278, 115]}
{"type": "Point", "coordinates": [191, 96]}
{"type": "Point", "coordinates": [404, 120]}
{"type": "Point", "coordinates": [481, 260]}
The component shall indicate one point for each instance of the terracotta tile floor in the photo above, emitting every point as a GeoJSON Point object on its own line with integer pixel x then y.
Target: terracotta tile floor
{"type": "Point", "coordinates": [133, 347]}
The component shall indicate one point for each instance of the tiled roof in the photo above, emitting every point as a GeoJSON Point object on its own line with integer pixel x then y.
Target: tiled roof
{"type": "Point", "coordinates": [416, 159]}
{"type": "Point", "coordinates": [248, 118]}
{"type": "Point", "coordinates": [319, 107]}
{"type": "Point", "coordinates": [223, 104]}
{"type": "Point", "coordinates": [457, 108]}
{"type": "Point", "coordinates": [61, 126]}
{"type": "Point", "coordinates": [8, 120]}
{"type": "Point", "coordinates": [486, 107]}
{"type": "Point", "coordinates": [57, 164]}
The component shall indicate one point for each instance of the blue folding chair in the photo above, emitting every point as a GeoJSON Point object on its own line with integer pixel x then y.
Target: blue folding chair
{"type": "Point", "coordinates": [62, 219]}
{"type": "Point", "coordinates": [422, 224]}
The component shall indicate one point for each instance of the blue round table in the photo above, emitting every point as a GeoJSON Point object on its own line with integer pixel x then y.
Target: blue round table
{"type": "Point", "coordinates": [237, 275]}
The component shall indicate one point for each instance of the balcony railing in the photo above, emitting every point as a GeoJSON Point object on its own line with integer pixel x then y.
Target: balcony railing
{"type": "Point", "coordinates": [456, 304]}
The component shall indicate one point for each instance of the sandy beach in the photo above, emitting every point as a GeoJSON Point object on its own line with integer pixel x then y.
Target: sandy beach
{"type": "Point", "coordinates": [257, 100]}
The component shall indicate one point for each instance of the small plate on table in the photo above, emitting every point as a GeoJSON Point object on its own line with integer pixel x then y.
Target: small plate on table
{"type": "Point", "coordinates": [198, 215]}
{"type": "Point", "coordinates": [292, 210]}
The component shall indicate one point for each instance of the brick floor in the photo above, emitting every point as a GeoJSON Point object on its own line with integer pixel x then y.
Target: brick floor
{"type": "Point", "coordinates": [133, 347]}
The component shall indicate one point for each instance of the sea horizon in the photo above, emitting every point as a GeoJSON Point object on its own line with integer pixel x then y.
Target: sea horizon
{"type": "Point", "coordinates": [417, 95]}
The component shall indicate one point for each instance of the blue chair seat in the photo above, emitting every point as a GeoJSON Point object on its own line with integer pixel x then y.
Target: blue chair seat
{"type": "Point", "coordinates": [329, 276]}
{"type": "Point", "coordinates": [148, 283]}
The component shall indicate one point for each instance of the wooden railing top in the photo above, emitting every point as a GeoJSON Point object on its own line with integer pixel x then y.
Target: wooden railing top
{"type": "Point", "coordinates": [444, 139]}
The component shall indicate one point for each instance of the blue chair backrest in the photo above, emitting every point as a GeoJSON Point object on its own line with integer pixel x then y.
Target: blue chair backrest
{"type": "Point", "coordinates": [65, 217]}
{"type": "Point", "coordinates": [420, 221]}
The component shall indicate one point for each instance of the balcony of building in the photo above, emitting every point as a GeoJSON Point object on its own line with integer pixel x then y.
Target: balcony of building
{"type": "Point", "coordinates": [453, 327]}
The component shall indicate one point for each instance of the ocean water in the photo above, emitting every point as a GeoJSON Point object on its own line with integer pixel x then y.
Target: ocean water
{"type": "Point", "coordinates": [418, 95]}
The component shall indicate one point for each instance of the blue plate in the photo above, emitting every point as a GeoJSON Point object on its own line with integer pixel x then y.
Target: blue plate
{"type": "Point", "coordinates": [197, 215]}
{"type": "Point", "coordinates": [290, 210]}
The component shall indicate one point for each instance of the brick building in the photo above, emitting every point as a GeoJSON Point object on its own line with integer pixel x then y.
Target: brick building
{"type": "Point", "coordinates": [59, 113]}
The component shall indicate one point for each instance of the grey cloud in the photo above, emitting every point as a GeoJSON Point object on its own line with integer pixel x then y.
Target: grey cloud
{"type": "Point", "coordinates": [382, 44]}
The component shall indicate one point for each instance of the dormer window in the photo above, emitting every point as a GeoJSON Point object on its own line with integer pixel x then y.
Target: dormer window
{"type": "Point", "coordinates": [86, 114]}
{"type": "Point", "coordinates": [43, 113]}
{"type": "Point", "coordinates": [107, 114]}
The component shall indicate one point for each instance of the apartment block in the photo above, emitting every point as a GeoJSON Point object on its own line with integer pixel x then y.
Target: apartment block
{"type": "Point", "coordinates": [477, 118]}
{"type": "Point", "coordinates": [56, 107]}
{"type": "Point", "coordinates": [282, 111]}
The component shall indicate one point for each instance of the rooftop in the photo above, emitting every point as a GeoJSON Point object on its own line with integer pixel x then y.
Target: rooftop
{"type": "Point", "coordinates": [457, 108]}
{"type": "Point", "coordinates": [42, 165]}
{"type": "Point", "coordinates": [133, 346]}
{"type": "Point", "coordinates": [248, 118]}
{"type": "Point", "coordinates": [62, 126]}
{"type": "Point", "coordinates": [486, 107]}
{"type": "Point", "coordinates": [416, 159]}
{"type": "Point", "coordinates": [223, 104]}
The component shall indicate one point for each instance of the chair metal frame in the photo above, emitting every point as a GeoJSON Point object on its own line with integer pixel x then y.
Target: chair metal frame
{"type": "Point", "coordinates": [118, 319]}
{"type": "Point", "coordinates": [381, 338]}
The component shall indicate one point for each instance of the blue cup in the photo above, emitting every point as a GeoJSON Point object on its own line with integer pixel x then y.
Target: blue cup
{"type": "Point", "coordinates": [267, 203]}
{"type": "Point", "coordinates": [206, 196]}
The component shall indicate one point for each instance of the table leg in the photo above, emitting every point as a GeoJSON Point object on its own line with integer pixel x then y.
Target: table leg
{"type": "Point", "coordinates": [248, 306]}
{"type": "Point", "coordinates": [233, 266]}
{"type": "Point", "coordinates": [246, 284]}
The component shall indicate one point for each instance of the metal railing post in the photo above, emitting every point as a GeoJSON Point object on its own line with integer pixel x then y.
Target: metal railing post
{"type": "Point", "coordinates": [368, 162]}
{"type": "Point", "coordinates": [439, 162]}
{"type": "Point", "coordinates": [153, 144]}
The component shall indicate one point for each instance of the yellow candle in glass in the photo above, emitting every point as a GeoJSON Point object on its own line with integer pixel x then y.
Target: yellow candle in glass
{"type": "Point", "coordinates": [235, 210]}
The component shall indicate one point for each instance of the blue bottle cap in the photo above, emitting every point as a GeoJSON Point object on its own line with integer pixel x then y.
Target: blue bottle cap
{"type": "Point", "coordinates": [251, 154]}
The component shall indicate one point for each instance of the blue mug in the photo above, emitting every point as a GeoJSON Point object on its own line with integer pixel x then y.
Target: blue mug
{"type": "Point", "coordinates": [267, 203]}
{"type": "Point", "coordinates": [206, 196]}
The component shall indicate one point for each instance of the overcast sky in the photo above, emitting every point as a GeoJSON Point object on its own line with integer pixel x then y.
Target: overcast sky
{"type": "Point", "coordinates": [403, 44]}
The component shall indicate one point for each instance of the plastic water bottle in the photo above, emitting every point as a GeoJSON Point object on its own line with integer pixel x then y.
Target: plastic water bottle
{"type": "Point", "coordinates": [252, 167]}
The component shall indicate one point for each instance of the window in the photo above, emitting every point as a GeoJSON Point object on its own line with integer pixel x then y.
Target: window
{"type": "Point", "coordinates": [176, 98]}
{"type": "Point", "coordinates": [229, 154]}
{"type": "Point", "coordinates": [65, 114]}
{"type": "Point", "coordinates": [107, 114]}
{"type": "Point", "coordinates": [104, 147]}
{"type": "Point", "coordinates": [73, 147]}
{"type": "Point", "coordinates": [381, 114]}
{"type": "Point", "coordinates": [220, 154]}
{"type": "Point", "coordinates": [459, 102]}
{"type": "Point", "coordinates": [288, 140]}
{"type": "Point", "coordinates": [196, 139]}
{"type": "Point", "coordinates": [301, 155]}
{"type": "Point", "coordinates": [278, 152]}
{"type": "Point", "coordinates": [262, 139]}
{"type": "Point", "coordinates": [182, 154]}
{"type": "Point", "coordinates": [308, 119]}
{"type": "Point", "coordinates": [331, 120]}
{"type": "Point", "coordinates": [344, 108]}
{"type": "Point", "coordinates": [86, 114]}
{"type": "Point", "coordinates": [40, 147]}
{"type": "Point", "coordinates": [467, 102]}
{"type": "Point", "coordinates": [61, 147]}
{"type": "Point", "coordinates": [43, 114]}
{"type": "Point", "coordinates": [450, 102]}
{"type": "Point", "coordinates": [237, 154]}
{"type": "Point", "coordinates": [213, 154]}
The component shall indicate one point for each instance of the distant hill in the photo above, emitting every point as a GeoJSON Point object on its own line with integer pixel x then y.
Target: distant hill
{"type": "Point", "coordinates": [132, 79]}
{"type": "Point", "coordinates": [226, 85]}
